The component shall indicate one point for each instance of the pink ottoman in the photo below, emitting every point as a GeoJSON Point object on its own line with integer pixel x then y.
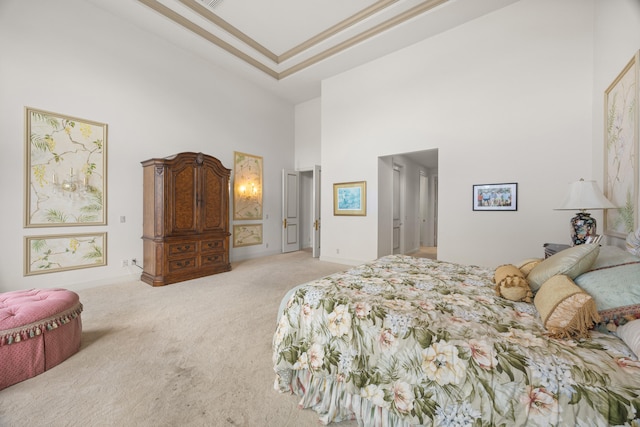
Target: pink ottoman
{"type": "Point", "coordinates": [39, 329]}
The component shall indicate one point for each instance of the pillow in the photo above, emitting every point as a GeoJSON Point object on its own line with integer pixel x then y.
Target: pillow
{"type": "Point", "coordinates": [511, 283]}
{"type": "Point", "coordinates": [612, 255]}
{"type": "Point", "coordinates": [527, 265]}
{"type": "Point", "coordinates": [566, 310]}
{"type": "Point", "coordinates": [570, 262]}
{"type": "Point", "coordinates": [613, 280]}
{"type": "Point", "coordinates": [630, 334]}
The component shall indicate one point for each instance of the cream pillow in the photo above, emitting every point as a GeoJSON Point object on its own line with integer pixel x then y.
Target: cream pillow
{"type": "Point", "coordinates": [527, 265]}
{"type": "Point", "coordinates": [570, 262]}
{"type": "Point", "coordinates": [630, 334]}
{"type": "Point", "coordinates": [565, 309]}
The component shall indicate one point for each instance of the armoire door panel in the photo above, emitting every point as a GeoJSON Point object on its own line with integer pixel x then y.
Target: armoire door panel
{"type": "Point", "coordinates": [214, 208]}
{"type": "Point", "coordinates": [184, 197]}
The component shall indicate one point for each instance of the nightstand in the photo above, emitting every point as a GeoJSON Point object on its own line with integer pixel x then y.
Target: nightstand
{"type": "Point", "coordinates": [553, 248]}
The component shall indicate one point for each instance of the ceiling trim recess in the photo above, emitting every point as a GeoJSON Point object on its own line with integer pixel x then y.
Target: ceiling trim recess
{"type": "Point", "coordinates": [324, 35]}
{"type": "Point", "coordinates": [329, 32]}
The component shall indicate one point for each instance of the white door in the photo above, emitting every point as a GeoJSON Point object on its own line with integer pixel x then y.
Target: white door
{"type": "Point", "coordinates": [315, 234]}
{"type": "Point", "coordinates": [290, 204]}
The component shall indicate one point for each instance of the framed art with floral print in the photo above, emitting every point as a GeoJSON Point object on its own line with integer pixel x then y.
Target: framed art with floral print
{"type": "Point", "coordinates": [66, 170]}
{"type": "Point", "coordinates": [49, 254]}
{"type": "Point", "coordinates": [247, 235]}
{"type": "Point", "coordinates": [621, 150]}
{"type": "Point", "coordinates": [247, 186]}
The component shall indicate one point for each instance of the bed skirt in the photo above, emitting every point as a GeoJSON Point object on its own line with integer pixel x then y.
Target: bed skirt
{"type": "Point", "coordinates": [331, 400]}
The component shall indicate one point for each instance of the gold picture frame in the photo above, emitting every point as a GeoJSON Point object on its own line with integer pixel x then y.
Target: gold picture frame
{"type": "Point", "coordinates": [622, 117]}
{"type": "Point", "coordinates": [350, 198]}
{"type": "Point", "coordinates": [54, 253]}
{"type": "Point", "coordinates": [247, 235]}
{"type": "Point", "coordinates": [247, 186]}
{"type": "Point", "coordinates": [66, 170]}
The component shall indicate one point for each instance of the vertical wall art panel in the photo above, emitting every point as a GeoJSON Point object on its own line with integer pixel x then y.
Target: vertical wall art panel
{"type": "Point", "coordinates": [621, 151]}
{"type": "Point", "coordinates": [65, 170]}
{"type": "Point", "coordinates": [247, 187]}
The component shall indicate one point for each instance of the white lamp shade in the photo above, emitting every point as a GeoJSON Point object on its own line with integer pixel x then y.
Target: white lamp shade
{"type": "Point", "coordinates": [585, 195]}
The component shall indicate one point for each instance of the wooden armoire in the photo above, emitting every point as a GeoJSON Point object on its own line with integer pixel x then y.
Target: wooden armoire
{"type": "Point", "coordinates": [185, 228]}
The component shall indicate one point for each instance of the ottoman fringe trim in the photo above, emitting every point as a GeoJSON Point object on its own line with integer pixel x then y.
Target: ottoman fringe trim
{"type": "Point", "coordinates": [35, 329]}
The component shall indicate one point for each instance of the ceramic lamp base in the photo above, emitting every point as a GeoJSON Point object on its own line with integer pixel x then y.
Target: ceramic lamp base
{"type": "Point", "coordinates": [582, 227]}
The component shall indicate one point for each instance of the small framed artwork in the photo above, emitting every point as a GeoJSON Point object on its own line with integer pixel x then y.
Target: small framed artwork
{"type": "Point", "coordinates": [350, 198]}
{"type": "Point", "coordinates": [247, 235]}
{"type": "Point", "coordinates": [66, 170]}
{"type": "Point", "coordinates": [49, 254]}
{"type": "Point", "coordinates": [495, 197]}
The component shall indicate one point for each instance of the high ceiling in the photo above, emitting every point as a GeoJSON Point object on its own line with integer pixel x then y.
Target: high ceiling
{"type": "Point", "coordinates": [289, 46]}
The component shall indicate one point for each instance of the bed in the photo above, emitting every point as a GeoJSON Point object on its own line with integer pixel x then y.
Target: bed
{"type": "Point", "coordinates": [406, 341]}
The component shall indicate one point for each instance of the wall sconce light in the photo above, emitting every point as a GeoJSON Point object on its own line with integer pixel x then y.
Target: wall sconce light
{"type": "Point", "coordinates": [253, 192]}
{"type": "Point", "coordinates": [582, 196]}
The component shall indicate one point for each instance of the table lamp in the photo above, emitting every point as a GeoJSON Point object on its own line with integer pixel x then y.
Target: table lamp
{"type": "Point", "coordinates": [582, 196]}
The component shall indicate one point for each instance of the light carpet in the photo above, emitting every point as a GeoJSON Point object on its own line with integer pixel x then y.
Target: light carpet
{"type": "Point", "coordinates": [196, 353]}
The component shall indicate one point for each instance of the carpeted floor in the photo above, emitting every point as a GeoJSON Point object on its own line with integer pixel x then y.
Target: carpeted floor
{"type": "Point", "coordinates": [196, 353]}
{"type": "Point", "coordinates": [430, 252]}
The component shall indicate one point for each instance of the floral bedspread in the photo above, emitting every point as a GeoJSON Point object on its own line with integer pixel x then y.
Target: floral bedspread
{"type": "Point", "coordinates": [410, 341]}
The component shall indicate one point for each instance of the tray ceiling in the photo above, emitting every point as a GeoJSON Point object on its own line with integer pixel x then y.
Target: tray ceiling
{"type": "Point", "coordinates": [289, 46]}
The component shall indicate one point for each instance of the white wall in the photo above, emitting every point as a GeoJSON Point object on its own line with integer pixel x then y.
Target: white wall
{"type": "Point", "coordinates": [505, 98]}
{"type": "Point", "coordinates": [72, 58]}
{"type": "Point", "coordinates": [307, 134]}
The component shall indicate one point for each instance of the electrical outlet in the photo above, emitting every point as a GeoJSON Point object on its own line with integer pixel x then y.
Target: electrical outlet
{"type": "Point", "coordinates": [125, 263]}
{"type": "Point", "coordinates": [134, 261]}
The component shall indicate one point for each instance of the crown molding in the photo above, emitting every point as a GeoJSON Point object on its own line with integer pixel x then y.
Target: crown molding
{"type": "Point", "coordinates": [299, 49]}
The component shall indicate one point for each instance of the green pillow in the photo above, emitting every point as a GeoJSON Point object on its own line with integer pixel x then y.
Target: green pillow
{"type": "Point", "coordinates": [571, 262]}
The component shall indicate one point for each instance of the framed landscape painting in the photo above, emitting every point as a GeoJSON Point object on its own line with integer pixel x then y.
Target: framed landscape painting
{"type": "Point", "coordinates": [66, 170]}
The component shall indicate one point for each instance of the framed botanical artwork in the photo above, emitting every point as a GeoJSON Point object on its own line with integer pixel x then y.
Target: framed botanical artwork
{"type": "Point", "coordinates": [247, 235]}
{"type": "Point", "coordinates": [621, 150]}
{"type": "Point", "coordinates": [49, 254]}
{"type": "Point", "coordinates": [350, 198]}
{"type": "Point", "coordinates": [247, 186]}
{"type": "Point", "coordinates": [66, 170]}
{"type": "Point", "coordinates": [495, 197]}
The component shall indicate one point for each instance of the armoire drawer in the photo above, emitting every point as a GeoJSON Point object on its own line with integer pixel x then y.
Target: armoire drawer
{"type": "Point", "coordinates": [181, 248]}
{"type": "Point", "coordinates": [182, 264]}
{"type": "Point", "coordinates": [212, 245]}
{"type": "Point", "coordinates": [208, 260]}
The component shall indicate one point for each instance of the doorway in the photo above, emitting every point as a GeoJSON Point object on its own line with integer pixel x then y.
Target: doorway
{"type": "Point", "coordinates": [408, 203]}
{"type": "Point", "coordinates": [301, 210]}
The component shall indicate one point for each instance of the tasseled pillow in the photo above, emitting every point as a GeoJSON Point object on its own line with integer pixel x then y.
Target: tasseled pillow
{"type": "Point", "coordinates": [512, 284]}
{"type": "Point", "coordinates": [566, 310]}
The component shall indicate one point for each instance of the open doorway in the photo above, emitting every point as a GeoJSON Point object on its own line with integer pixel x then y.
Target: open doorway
{"type": "Point", "coordinates": [301, 210]}
{"type": "Point", "coordinates": [408, 204]}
